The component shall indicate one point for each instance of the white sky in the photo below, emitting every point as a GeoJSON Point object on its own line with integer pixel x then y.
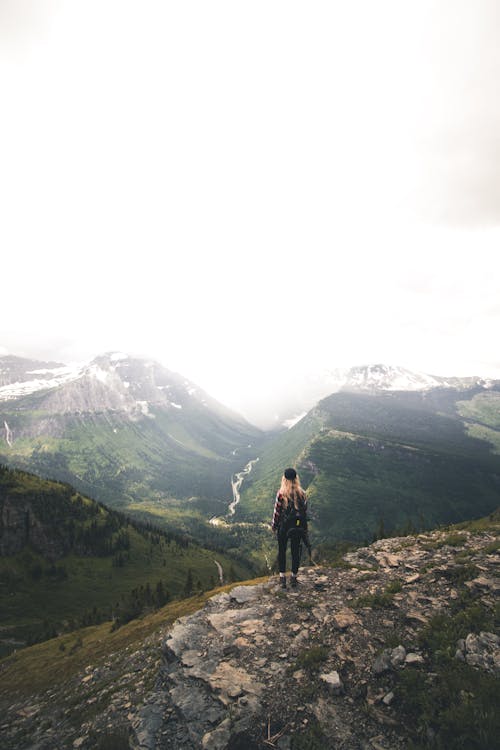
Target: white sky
{"type": "Point", "coordinates": [241, 189]}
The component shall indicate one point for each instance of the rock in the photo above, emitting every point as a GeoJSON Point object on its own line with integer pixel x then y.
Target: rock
{"type": "Point", "coordinates": [398, 656]}
{"type": "Point", "coordinates": [244, 594]}
{"type": "Point", "coordinates": [387, 699]}
{"type": "Point", "coordinates": [227, 677]}
{"type": "Point", "coordinates": [413, 615]}
{"type": "Point", "coordinates": [413, 578]}
{"type": "Point", "coordinates": [251, 627]}
{"type": "Point", "coordinates": [344, 618]}
{"type": "Point", "coordinates": [333, 681]}
{"type": "Point", "coordinates": [190, 658]}
{"type": "Point", "coordinates": [412, 659]}
{"type": "Point", "coordinates": [219, 600]}
{"type": "Point", "coordinates": [483, 651]}
{"type": "Point", "coordinates": [387, 560]}
{"type": "Point", "coordinates": [481, 583]}
{"type": "Point", "coordinates": [217, 739]}
{"type": "Point", "coordinates": [382, 663]}
{"type": "Point", "coordinates": [222, 621]}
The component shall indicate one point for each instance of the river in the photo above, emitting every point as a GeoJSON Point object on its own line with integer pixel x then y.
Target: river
{"type": "Point", "coordinates": [237, 481]}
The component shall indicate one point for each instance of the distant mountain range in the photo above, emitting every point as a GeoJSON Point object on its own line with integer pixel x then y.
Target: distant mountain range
{"type": "Point", "coordinates": [386, 446]}
{"type": "Point", "coordinates": [125, 431]}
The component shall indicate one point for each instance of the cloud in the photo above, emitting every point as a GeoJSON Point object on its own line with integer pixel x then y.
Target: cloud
{"type": "Point", "coordinates": [457, 136]}
{"type": "Point", "coordinates": [23, 21]}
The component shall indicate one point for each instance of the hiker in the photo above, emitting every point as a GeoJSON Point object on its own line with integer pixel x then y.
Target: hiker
{"type": "Point", "coordinates": [290, 523]}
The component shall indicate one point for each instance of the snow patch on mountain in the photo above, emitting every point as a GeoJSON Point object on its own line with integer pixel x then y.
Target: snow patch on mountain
{"type": "Point", "coordinates": [388, 378]}
{"type": "Point", "coordinates": [53, 379]}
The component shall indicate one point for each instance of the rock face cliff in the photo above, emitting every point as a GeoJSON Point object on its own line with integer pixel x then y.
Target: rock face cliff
{"type": "Point", "coordinates": [337, 663]}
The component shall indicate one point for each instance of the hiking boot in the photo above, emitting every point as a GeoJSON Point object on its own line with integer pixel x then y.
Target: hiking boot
{"type": "Point", "coordinates": [293, 582]}
{"type": "Point", "coordinates": [283, 582]}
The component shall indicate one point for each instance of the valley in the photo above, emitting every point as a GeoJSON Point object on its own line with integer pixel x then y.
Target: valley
{"type": "Point", "coordinates": [149, 444]}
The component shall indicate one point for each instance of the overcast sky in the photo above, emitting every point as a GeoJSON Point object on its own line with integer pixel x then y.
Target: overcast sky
{"type": "Point", "coordinates": [240, 189]}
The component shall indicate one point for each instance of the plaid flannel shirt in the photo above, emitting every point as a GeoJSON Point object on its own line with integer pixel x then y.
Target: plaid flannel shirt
{"type": "Point", "coordinates": [279, 506]}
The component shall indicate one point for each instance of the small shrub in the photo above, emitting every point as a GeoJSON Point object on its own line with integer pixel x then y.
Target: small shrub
{"type": "Point", "coordinates": [459, 573]}
{"type": "Point", "coordinates": [304, 604]}
{"type": "Point", "coordinates": [394, 587]}
{"type": "Point", "coordinates": [454, 540]}
{"type": "Point", "coordinates": [312, 658]}
{"type": "Point", "coordinates": [493, 548]}
{"type": "Point", "coordinates": [380, 599]}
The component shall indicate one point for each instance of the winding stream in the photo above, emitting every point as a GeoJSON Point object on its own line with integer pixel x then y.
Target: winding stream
{"type": "Point", "coordinates": [220, 571]}
{"type": "Point", "coordinates": [237, 481]}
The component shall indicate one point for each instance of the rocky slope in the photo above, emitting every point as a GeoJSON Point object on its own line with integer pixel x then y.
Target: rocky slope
{"type": "Point", "coordinates": [344, 662]}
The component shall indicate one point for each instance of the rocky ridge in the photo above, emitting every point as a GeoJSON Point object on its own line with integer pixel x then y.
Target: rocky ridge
{"type": "Point", "coordinates": [258, 667]}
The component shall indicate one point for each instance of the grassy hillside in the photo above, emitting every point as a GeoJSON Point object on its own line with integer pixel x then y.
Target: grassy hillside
{"type": "Point", "coordinates": [162, 456]}
{"type": "Point", "coordinates": [67, 560]}
{"type": "Point", "coordinates": [392, 460]}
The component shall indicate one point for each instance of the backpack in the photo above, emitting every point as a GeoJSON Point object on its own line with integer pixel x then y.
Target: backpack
{"type": "Point", "coordinates": [295, 519]}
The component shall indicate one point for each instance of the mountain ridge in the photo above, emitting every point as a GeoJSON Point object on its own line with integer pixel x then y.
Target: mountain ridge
{"type": "Point", "coordinates": [391, 457]}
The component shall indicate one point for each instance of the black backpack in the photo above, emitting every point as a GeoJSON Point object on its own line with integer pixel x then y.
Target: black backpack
{"type": "Point", "coordinates": [295, 519]}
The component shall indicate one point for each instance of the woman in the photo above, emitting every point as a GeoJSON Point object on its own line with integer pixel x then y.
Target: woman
{"type": "Point", "coordinates": [290, 522]}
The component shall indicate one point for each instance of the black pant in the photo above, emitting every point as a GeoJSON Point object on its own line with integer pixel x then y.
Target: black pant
{"type": "Point", "coordinates": [294, 548]}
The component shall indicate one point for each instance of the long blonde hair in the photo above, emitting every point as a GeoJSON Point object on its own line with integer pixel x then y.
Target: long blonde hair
{"type": "Point", "coordinates": [291, 490]}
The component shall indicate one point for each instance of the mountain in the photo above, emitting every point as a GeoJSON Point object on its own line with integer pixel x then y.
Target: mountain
{"type": "Point", "coordinates": [67, 560]}
{"type": "Point", "coordinates": [308, 389]}
{"type": "Point", "coordinates": [380, 377]}
{"type": "Point", "coordinates": [378, 460]}
{"type": "Point", "coordinates": [125, 431]}
{"type": "Point", "coordinates": [395, 645]}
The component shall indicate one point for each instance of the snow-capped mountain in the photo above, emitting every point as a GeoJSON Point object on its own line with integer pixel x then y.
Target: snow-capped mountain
{"type": "Point", "coordinates": [380, 377]}
{"type": "Point", "coordinates": [111, 382]}
{"type": "Point", "coordinates": [370, 378]}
